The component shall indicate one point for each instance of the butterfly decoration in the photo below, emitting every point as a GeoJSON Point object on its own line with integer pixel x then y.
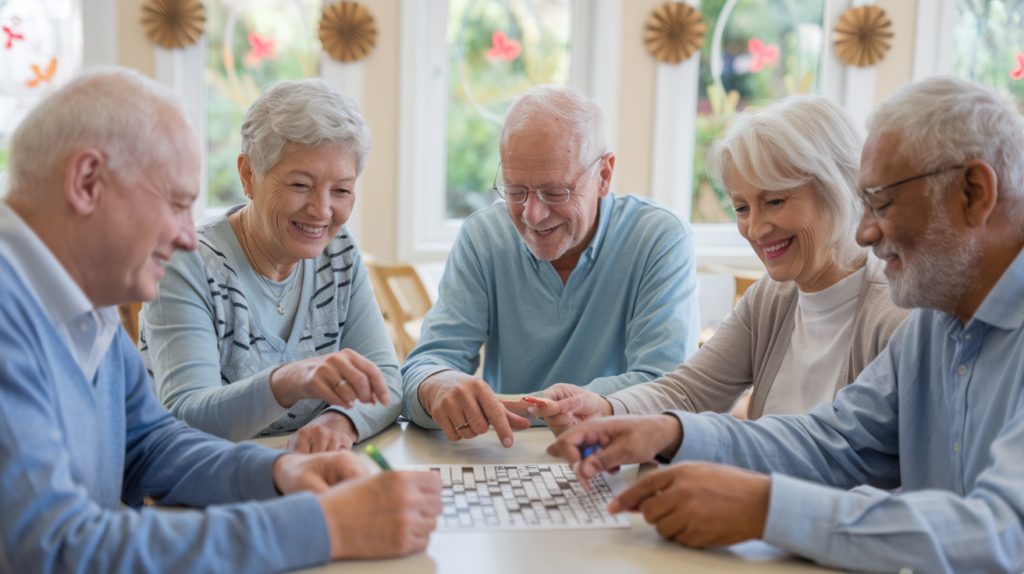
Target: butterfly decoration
{"type": "Point", "coordinates": [11, 37]}
{"type": "Point", "coordinates": [762, 55]}
{"type": "Point", "coordinates": [41, 76]}
{"type": "Point", "coordinates": [1018, 72]}
{"type": "Point", "coordinates": [502, 47]}
{"type": "Point", "coordinates": [262, 47]}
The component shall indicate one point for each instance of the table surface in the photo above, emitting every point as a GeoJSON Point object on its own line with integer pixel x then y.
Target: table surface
{"type": "Point", "coordinates": [620, 551]}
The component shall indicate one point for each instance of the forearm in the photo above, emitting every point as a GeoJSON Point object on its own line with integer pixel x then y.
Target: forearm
{"type": "Point", "coordinates": [870, 530]}
{"type": "Point", "coordinates": [412, 408]}
{"type": "Point", "coordinates": [237, 411]}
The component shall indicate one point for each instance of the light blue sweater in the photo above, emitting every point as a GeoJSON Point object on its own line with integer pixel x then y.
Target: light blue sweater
{"type": "Point", "coordinates": [211, 355]}
{"type": "Point", "coordinates": [71, 451]}
{"type": "Point", "coordinates": [627, 314]}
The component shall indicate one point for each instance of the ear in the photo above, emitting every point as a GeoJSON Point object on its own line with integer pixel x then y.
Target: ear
{"type": "Point", "coordinates": [247, 176]}
{"type": "Point", "coordinates": [979, 193]}
{"type": "Point", "coordinates": [607, 167]}
{"type": "Point", "coordinates": [85, 179]}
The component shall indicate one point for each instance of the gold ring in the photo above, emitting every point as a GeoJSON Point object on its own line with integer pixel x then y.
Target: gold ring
{"type": "Point", "coordinates": [462, 426]}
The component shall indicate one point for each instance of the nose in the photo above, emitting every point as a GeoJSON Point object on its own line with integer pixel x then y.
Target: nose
{"type": "Point", "coordinates": [868, 232]}
{"type": "Point", "coordinates": [187, 238]}
{"type": "Point", "coordinates": [535, 210]}
{"type": "Point", "coordinates": [758, 225]}
{"type": "Point", "coordinates": [320, 206]}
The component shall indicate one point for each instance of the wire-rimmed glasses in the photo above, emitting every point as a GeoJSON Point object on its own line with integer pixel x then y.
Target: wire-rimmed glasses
{"type": "Point", "coordinates": [871, 192]}
{"type": "Point", "coordinates": [549, 195]}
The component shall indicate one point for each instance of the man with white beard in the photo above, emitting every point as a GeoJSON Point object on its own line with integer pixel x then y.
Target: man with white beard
{"type": "Point", "coordinates": [939, 413]}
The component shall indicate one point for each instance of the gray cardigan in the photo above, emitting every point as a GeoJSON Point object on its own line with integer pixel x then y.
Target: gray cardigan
{"type": "Point", "coordinates": [748, 348]}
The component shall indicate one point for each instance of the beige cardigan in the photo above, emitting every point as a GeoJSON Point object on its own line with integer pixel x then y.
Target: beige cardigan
{"type": "Point", "coordinates": [749, 346]}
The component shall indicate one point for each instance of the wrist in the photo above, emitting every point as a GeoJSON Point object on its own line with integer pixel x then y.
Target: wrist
{"type": "Point", "coordinates": [606, 409]}
{"type": "Point", "coordinates": [278, 469]}
{"type": "Point", "coordinates": [279, 387]}
{"type": "Point", "coordinates": [672, 435]}
{"type": "Point", "coordinates": [339, 421]}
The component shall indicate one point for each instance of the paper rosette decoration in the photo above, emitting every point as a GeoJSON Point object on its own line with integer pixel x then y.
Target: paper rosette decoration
{"type": "Point", "coordinates": [347, 31]}
{"type": "Point", "coordinates": [862, 35]}
{"type": "Point", "coordinates": [173, 23]}
{"type": "Point", "coordinates": [674, 31]}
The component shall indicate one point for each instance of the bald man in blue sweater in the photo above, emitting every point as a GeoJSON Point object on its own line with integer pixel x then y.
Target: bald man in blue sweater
{"type": "Point", "coordinates": [103, 175]}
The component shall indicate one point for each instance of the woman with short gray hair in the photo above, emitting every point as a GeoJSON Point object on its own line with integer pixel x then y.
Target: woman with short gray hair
{"type": "Point", "coordinates": [820, 315]}
{"type": "Point", "coordinates": [271, 326]}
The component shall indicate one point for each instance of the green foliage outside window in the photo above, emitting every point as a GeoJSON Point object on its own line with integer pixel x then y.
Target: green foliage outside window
{"type": "Point", "coordinates": [988, 35]}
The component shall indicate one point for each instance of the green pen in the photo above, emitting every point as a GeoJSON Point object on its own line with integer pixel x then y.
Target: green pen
{"type": "Point", "coordinates": [377, 457]}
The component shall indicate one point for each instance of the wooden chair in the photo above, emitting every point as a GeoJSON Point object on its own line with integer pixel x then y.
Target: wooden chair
{"type": "Point", "coordinates": [129, 313]}
{"type": "Point", "coordinates": [403, 301]}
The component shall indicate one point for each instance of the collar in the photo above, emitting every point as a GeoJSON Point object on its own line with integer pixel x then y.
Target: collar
{"type": "Point", "coordinates": [58, 294]}
{"type": "Point", "coordinates": [604, 215]}
{"type": "Point", "coordinates": [1002, 307]}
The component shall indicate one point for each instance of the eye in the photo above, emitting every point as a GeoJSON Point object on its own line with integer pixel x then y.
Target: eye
{"type": "Point", "coordinates": [341, 191]}
{"type": "Point", "coordinates": [740, 209]}
{"type": "Point", "coordinates": [776, 202]}
{"type": "Point", "coordinates": [300, 186]}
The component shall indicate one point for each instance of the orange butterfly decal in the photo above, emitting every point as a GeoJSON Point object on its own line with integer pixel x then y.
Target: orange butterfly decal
{"type": "Point", "coordinates": [503, 47]}
{"type": "Point", "coordinates": [41, 77]}
{"type": "Point", "coordinates": [761, 55]}
{"type": "Point", "coordinates": [1018, 73]}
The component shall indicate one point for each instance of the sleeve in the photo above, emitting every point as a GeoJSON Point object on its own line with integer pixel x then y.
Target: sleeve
{"type": "Point", "coordinates": [454, 329]}
{"type": "Point", "coordinates": [711, 380]}
{"type": "Point", "coordinates": [366, 334]}
{"type": "Point", "coordinates": [664, 327]}
{"type": "Point", "coordinates": [49, 522]}
{"type": "Point", "coordinates": [180, 342]}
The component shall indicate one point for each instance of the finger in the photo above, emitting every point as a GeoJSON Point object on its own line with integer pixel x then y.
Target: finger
{"type": "Point", "coordinates": [571, 404]}
{"type": "Point", "coordinates": [348, 466]}
{"type": "Point", "coordinates": [616, 451]}
{"type": "Point", "coordinates": [542, 408]}
{"type": "Point", "coordinates": [517, 407]}
{"type": "Point", "coordinates": [656, 507]}
{"type": "Point", "coordinates": [444, 420]}
{"type": "Point", "coordinates": [499, 417]}
{"type": "Point", "coordinates": [475, 418]}
{"type": "Point", "coordinates": [641, 490]}
{"type": "Point", "coordinates": [672, 525]}
{"type": "Point", "coordinates": [378, 385]}
{"type": "Point", "coordinates": [358, 382]}
{"type": "Point", "coordinates": [571, 442]}
{"type": "Point", "coordinates": [301, 442]}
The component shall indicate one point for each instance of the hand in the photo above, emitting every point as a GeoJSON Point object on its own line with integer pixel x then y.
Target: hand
{"type": "Point", "coordinates": [624, 440]}
{"type": "Point", "coordinates": [315, 472]}
{"type": "Point", "coordinates": [453, 399]}
{"type": "Point", "coordinates": [390, 514]}
{"type": "Point", "coordinates": [330, 430]}
{"type": "Point", "coordinates": [319, 378]}
{"type": "Point", "coordinates": [563, 406]}
{"type": "Point", "coordinates": [701, 504]}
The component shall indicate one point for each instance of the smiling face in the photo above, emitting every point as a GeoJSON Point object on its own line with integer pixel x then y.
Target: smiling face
{"type": "Point", "coordinates": [928, 260]}
{"type": "Point", "coordinates": [301, 202]}
{"type": "Point", "coordinates": [788, 230]}
{"type": "Point", "coordinates": [545, 155]}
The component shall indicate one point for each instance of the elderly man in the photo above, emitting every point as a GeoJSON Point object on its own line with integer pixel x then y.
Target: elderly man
{"type": "Point", "coordinates": [103, 174]}
{"type": "Point", "coordinates": [564, 282]}
{"type": "Point", "coordinates": [940, 412]}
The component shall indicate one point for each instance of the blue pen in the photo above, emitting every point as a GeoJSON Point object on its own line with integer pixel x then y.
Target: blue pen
{"type": "Point", "coordinates": [591, 450]}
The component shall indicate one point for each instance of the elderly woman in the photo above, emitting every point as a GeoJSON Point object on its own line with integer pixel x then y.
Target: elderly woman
{"type": "Point", "coordinates": [271, 326]}
{"type": "Point", "coordinates": [822, 312]}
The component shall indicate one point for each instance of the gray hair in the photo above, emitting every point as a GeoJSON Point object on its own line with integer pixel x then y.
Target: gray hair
{"type": "Point", "coordinates": [944, 121]}
{"type": "Point", "coordinates": [800, 139]}
{"type": "Point", "coordinates": [310, 112]}
{"type": "Point", "coordinates": [584, 115]}
{"type": "Point", "coordinates": [113, 109]}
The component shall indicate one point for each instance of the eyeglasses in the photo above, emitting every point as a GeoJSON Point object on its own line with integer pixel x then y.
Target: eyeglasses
{"type": "Point", "coordinates": [870, 192]}
{"type": "Point", "coordinates": [549, 195]}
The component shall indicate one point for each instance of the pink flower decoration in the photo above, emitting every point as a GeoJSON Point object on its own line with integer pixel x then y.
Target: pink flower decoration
{"type": "Point", "coordinates": [761, 55]}
{"type": "Point", "coordinates": [11, 37]}
{"type": "Point", "coordinates": [262, 47]}
{"type": "Point", "coordinates": [1018, 73]}
{"type": "Point", "coordinates": [502, 47]}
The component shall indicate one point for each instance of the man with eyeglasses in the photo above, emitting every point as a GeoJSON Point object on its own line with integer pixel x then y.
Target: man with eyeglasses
{"type": "Point", "coordinates": [939, 413]}
{"type": "Point", "coordinates": [564, 282]}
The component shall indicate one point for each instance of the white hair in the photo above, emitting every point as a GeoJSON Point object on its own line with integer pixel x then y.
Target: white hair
{"type": "Point", "coordinates": [944, 121]}
{"type": "Point", "coordinates": [584, 116]}
{"type": "Point", "coordinates": [800, 139]}
{"type": "Point", "coordinates": [310, 112]}
{"type": "Point", "coordinates": [113, 109]}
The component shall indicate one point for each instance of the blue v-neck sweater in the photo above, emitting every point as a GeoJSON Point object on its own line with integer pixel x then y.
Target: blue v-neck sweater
{"type": "Point", "coordinates": [72, 450]}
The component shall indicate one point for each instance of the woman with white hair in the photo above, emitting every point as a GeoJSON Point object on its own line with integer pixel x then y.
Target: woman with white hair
{"type": "Point", "coordinates": [822, 312]}
{"type": "Point", "coordinates": [271, 326]}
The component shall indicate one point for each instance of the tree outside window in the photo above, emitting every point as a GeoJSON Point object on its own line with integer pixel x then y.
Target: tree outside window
{"type": "Point", "coordinates": [988, 44]}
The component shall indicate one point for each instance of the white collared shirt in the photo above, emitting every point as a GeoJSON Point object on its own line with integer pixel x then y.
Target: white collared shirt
{"type": "Point", "coordinates": [87, 331]}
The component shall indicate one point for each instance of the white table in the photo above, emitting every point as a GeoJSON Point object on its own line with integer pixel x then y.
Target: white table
{"type": "Point", "coordinates": [637, 550]}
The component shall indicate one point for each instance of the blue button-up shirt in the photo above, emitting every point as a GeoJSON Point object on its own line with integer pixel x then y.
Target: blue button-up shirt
{"type": "Point", "coordinates": [940, 412]}
{"type": "Point", "coordinates": [626, 315]}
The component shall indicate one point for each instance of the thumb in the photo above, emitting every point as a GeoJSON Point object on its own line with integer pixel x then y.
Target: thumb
{"type": "Point", "coordinates": [644, 488]}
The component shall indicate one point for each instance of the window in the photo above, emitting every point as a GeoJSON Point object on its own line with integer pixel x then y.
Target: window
{"type": "Point", "coordinates": [41, 47]}
{"type": "Point", "coordinates": [754, 51]}
{"type": "Point", "coordinates": [988, 44]}
{"type": "Point", "coordinates": [461, 61]}
{"type": "Point", "coordinates": [250, 46]}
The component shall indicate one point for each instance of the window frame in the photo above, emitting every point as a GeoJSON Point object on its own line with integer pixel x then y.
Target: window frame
{"type": "Point", "coordinates": [183, 70]}
{"type": "Point", "coordinates": [424, 233]}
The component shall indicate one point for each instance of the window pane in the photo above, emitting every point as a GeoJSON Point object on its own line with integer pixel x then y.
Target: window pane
{"type": "Point", "coordinates": [41, 49]}
{"type": "Point", "coordinates": [988, 44]}
{"type": "Point", "coordinates": [754, 50]}
{"type": "Point", "coordinates": [497, 49]}
{"type": "Point", "coordinates": [252, 44]}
